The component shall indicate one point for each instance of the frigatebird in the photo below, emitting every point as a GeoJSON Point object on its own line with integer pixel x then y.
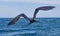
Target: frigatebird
{"type": "Point", "coordinates": [45, 8]}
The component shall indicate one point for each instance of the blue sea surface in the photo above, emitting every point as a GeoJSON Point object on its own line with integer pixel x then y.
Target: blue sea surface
{"type": "Point", "coordinates": [44, 27]}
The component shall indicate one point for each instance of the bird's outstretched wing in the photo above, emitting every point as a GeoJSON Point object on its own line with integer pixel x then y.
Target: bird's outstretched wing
{"type": "Point", "coordinates": [45, 8]}
{"type": "Point", "coordinates": [17, 17]}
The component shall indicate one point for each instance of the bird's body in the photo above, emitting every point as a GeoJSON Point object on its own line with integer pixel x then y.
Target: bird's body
{"type": "Point", "coordinates": [34, 16]}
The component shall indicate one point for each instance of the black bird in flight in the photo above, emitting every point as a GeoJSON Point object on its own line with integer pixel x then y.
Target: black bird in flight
{"type": "Point", "coordinates": [45, 8]}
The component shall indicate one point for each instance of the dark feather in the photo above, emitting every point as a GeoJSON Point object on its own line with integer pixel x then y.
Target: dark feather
{"type": "Point", "coordinates": [17, 17]}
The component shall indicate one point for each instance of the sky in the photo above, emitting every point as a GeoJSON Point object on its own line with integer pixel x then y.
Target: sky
{"type": "Point", "coordinates": [12, 8]}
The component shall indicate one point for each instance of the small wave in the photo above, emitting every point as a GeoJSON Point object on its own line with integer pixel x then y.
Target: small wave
{"type": "Point", "coordinates": [14, 33]}
{"type": "Point", "coordinates": [11, 28]}
{"type": "Point", "coordinates": [17, 28]}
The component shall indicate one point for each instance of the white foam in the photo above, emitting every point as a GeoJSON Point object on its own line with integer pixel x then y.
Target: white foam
{"type": "Point", "coordinates": [12, 33]}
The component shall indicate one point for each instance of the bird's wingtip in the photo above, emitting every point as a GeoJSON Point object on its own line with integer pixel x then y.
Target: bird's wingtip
{"type": "Point", "coordinates": [53, 6]}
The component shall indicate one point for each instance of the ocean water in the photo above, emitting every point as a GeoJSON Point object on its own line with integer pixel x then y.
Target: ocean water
{"type": "Point", "coordinates": [44, 27]}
